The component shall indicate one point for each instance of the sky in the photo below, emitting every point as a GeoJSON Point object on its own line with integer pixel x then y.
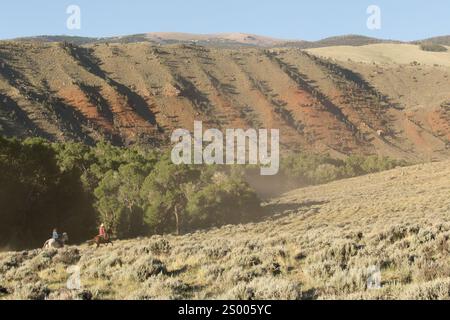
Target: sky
{"type": "Point", "coordinates": [286, 19]}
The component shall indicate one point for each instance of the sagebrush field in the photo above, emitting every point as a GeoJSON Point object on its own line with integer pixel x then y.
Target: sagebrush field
{"type": "Point", "coordinates": [316, 243]}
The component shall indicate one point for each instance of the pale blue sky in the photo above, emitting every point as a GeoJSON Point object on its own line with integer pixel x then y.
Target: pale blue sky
{"type": "Point", "coordinates": [289, 19]}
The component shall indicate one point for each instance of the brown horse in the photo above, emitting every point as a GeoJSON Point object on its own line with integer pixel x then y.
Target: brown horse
{"type": "Point", "coordinates": [99, 240]}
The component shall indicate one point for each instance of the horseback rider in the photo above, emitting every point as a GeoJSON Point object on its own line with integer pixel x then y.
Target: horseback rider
{"type": "Point", "coordinates": [102, 232]}
{"type": "Point", "coordinates": [101, 238]}
{"type": "Point", "coordinates": [57, 237]}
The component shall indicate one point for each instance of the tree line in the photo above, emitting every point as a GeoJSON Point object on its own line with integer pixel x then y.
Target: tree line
{"type": "Point", "coordinates": [134, 191]}
{"type": "Point", "coordinates": [304, 169]}
{"type": "Point", "coordinates": [138, 191]}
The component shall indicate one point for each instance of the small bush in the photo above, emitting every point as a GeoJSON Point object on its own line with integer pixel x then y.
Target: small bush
{"type": "Point", "coordinates": [162, 288]}
{"type": "Point", "coordinates": [435, 290]}
{"type": "Point", "coordinates": [216, 252]}
{"type": "Point", "coordinates": [32, 291]}
{"type": "Point", "coordinates": [3, 290]}
{"type": "Point", "coordinates": [265, 288]}
{"type": "Point", "coordinates": [10, 262]}
{"type": "Point", "coordinates": [160, 246]}
{"type": "Point", "coordinates": [148, 268]}
{"type": "Point", "coordinates": [66, 294]}
{"type": "Point", "coordinates": [69, 256]}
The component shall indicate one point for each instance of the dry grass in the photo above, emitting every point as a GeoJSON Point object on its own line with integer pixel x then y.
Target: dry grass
{"type": "Point", "coordinates": [321, 243]}
{"type": "Point", "coordinates": [385, 53]}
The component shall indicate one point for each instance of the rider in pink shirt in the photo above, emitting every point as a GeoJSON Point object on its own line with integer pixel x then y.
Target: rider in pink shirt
{"type": "Point", "coordinates": [102, 232]}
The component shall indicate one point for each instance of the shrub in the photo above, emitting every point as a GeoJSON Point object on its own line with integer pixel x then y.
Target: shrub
{"type": "Point", "coordinates": [160, 246]}
{"type": "Point", "coordinates": [435, 290]}
{"type": "Point", "coordinates": [65, 294]}
{"type": "Point", "coordinates": [162, 288]}
{"type": "Point", "coordinates": [3, 289]}
{"type": "Point", "coordinates": [149, 267]}
{"type": "Point", "coordinates": [265, 288]}
{"type": "Point", "coordinates": [32, 291]}
{"type": "Point", "coordinates": [349, 280]}
{"type": "Point", "coordinates": [69, 256]}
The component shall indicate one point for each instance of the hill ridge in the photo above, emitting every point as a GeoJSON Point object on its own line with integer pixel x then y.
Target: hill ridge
{"type": "Point", "coordinates": [138, 93]}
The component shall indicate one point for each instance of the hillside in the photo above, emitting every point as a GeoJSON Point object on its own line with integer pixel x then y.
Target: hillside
{"type": "Point", "coordinates": [318, 242]}
{"type": "Point", "coordinates": [230, 40]}
{"type": "Point", "coordinates": [442, 40]}
{"type": "Point", "coordinates": [138, 93]}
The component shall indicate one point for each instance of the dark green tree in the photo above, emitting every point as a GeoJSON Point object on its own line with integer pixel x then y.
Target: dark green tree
{"type": "Point", "coordinates": [165, 195]}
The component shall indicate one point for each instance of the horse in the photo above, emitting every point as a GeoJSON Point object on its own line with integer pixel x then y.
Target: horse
{"type": "Point", "coordinates": [52, 243]}
{"type": "Point", "coordinates": [99, 240]}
